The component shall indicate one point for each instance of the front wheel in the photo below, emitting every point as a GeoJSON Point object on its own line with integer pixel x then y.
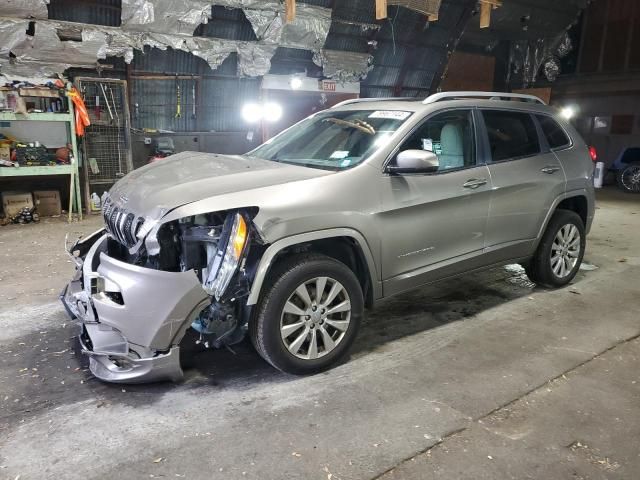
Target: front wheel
{"type": "Point", "coordinates": [308, 318]}
{"type": "Point", "coordinates": [559, 255]}
{"type": "Point", "coordinates": [629, 177]}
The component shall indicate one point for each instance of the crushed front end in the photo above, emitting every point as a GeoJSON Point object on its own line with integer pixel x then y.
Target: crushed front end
{"type": "Point", "coordinates": [135, 299]}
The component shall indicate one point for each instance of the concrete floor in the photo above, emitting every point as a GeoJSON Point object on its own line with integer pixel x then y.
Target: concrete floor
{"type": "Point", "coordinates": [481, 377]}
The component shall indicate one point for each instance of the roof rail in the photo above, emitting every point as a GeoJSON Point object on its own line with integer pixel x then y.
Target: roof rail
{"type": "Point", "coordinates": [360, 100]}
{"type": "Point", "coordinates": [438, 97]}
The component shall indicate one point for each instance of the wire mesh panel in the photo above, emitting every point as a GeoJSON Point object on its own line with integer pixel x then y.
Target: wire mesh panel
{"type": "Point", "coordinates": [106, 144]}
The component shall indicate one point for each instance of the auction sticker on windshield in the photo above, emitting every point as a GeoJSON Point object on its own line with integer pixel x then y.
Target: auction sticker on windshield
{"type": "Point", "coordinates": [392, 114]}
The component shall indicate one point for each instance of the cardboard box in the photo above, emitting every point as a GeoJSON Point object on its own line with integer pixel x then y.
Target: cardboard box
{"type": "Point", "coordinates": [13, 202]}
{"type": "Point", "coordinates": [5, 152]}
{"type": "Point", "coordinates": [48, 202]}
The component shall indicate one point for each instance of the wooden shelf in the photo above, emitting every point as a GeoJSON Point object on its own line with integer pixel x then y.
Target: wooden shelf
{"type": "Point", "coordinates": [32, 171]}
{"type": "Point", "coordinates": [42, 117]}
{"type": "Point", "coordinates": [71, 170]}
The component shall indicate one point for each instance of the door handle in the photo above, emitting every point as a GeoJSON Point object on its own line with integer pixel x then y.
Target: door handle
{"type": "Point", "coordinates": [475, 183]}
{"type": "Point", "coordinates": [550, 169]}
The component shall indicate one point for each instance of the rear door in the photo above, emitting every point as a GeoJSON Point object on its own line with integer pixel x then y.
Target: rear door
{"type": "Point", "coordinates": [526, 177]}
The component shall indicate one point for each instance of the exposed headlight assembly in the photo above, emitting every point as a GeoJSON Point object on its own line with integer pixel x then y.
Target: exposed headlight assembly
{"type": "Point", "coordinates": [229, 254]}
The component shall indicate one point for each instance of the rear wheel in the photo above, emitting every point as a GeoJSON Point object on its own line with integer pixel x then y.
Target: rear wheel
{"type": "Point", "coordinates": [559, 255]}
{"type": "Point", "coordinates": [308, 318]}
{"type": "Point", "coordinates": [629, 177]}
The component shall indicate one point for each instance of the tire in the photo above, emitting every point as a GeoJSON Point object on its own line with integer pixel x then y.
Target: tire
{"type": "Point", "coordinates": [541, 267]}
{"type": "Point", "coordinates": [629, 177]}
{"type": "Point", "coordinates": [277, 345]}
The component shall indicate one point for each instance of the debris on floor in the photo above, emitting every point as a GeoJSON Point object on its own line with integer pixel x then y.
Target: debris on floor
{"type": "Point", "coordinates": [588, 267]}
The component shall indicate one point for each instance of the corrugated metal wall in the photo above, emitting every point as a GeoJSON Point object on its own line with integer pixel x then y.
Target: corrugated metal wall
{"type": "Point", "coordinates": [406, 57]}
{"type": "Point", "coordinates": [409, 55]}
{"type": "Point", "coordinates": [222, 100]}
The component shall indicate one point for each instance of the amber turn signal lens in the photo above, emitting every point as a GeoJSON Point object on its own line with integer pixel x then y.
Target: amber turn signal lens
{"type": "Point", "coordinates": [240, 236]}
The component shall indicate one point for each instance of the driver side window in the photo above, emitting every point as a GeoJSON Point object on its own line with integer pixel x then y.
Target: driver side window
{"type": "Point", "coordinates": [450, 135]}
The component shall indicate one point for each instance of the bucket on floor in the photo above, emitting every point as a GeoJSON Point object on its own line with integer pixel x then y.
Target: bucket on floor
{"type": "Point", "coordinates": [598, 175]}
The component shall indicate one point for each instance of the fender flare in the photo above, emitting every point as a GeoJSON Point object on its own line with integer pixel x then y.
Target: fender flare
{"type": "Point", "coordinates": [554, 206]}
{"type": "Point", "coordinates": [272, 251]}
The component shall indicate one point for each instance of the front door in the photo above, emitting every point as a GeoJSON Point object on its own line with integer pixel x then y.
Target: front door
{"type": "Point", "coordinates": [433, 225]}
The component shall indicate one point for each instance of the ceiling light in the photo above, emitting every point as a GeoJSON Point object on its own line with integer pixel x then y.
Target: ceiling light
{"type": "Point", "coordinates": [296, 83]}
{"type": "Point", "coordinates": [252, 113]}
{"type": "Point", "coordinates": [568, 112]}
{"type": "Point", "coordinates": [272, 112]}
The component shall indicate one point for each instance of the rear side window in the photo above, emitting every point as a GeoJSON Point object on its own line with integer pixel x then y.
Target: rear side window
{"type": "Point", "coordinates": [555, 134]}
{"type": "Point", "coordinates": [511, 135]}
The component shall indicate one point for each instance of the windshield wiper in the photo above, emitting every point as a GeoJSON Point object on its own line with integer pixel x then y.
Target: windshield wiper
{"type": "Point", "coordinates": [357, 124]}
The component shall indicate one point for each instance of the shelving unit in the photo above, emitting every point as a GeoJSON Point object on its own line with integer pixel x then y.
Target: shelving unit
{"type": "Point", "coordinates": [75, 200]}
{"type": "Point", "coordinates": [41, 117]}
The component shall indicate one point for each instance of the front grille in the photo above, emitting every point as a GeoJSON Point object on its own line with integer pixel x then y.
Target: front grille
{"type": "Point", "coordinates": [121, 224]}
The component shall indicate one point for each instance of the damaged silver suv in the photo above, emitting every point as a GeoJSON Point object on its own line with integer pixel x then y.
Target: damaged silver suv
{"type": "Point", "coordinates": [290, 242]}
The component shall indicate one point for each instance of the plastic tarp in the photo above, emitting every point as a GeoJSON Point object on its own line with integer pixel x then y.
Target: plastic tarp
{"type": "Point", "coordinates": [170, 24]}
{"type": "Point", "coordinates": [114, 44]}
{"type": "Point", "coordinates": [529, 58]}
{"type": "Point", "coordinates": [165, 16]}
{"type": "Point", "coordinates": [308, 31]}
{"type": "Point", "coordinates": [344, 66]}
{"type": "Point", "coordinates": [13, 33]}
{"type": "Point", "coordinates": [45, 45]}
{"type": "Point", "coordinates": [32, 70]}
{"type": "Point", "coordinates": [247, 3]}
{"type": "Point", "coordinates": [254, 59]}
{"type": "Point", "coordinates": [24, 8]}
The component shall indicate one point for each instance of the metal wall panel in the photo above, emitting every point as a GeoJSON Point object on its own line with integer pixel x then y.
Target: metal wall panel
{"type": "Point", "coordinates": [102, 12]}
{"type": "Point", "coordinates": [168, 61]}
{"type": "Point", "coordinates": [229, 23]}
{"type": "Point", "coordinates": [156, 104]}
{"type": "Point", "coordinates": [222, 101]}
{"type": "Point", "coordinates": [419, 78]}
{"type": "Point", "coordinates": [383, 77]}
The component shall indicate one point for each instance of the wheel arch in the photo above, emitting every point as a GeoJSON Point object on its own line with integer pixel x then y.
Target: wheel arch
{"type": "Point", "coordinates": [344, 244]}
{"type": "Point", "coordinates": [578, 202]}
{"type": "Point", "coordinates": [630, 155]}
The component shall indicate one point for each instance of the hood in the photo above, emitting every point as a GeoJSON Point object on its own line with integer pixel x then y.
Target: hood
{"type": "Point", "coordinates": [191, 176]}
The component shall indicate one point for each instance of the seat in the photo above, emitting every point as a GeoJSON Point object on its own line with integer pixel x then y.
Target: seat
{"type": "Point", "coordinates": [512, 141]}
{"type": "Point", "coordinates": [452, 145]}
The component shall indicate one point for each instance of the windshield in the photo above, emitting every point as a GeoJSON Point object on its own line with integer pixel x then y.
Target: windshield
{"type": "Point", "coordinates": [333, 140]}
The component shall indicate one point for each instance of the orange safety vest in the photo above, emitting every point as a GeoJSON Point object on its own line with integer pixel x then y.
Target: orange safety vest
{"type": "Point", "coordinates": [82, 116]}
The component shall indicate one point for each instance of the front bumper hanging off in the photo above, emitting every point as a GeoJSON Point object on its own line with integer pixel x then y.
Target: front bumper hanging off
{"type": "Point", "coordinates": [132, 318]}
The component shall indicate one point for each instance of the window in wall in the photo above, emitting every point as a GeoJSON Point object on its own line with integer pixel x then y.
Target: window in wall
{"type": "Point", "coordinates": [555, 134]}
{"type": "Point", "coordinates": [622, 124]}
{"type": "Point", "coordinates": [511, 134]}
{"type": "Point", "coordinates": [601, 125]}
{"type": "Point", "coordinates": [450, 135]}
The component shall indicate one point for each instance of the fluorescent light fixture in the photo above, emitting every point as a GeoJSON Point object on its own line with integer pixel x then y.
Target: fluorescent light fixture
{"type": "Point", "coordinates": [568, 112]}
{"type": "Point", "coordinates": [272, 112]}
{"type": "Point", "coordinates": [296, 83]}
{"type": "Point", "coordinates": [252, 113]}
{"type": "Point", "coordinates": [255, 112]}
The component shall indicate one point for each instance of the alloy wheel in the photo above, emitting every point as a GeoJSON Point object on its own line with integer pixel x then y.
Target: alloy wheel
{"type": "Point", "coordinates": [315, 318]}
{"type": "Point", "coordinates": [631, 178]}
{"type": "Point", "coordinates": [565, 250]}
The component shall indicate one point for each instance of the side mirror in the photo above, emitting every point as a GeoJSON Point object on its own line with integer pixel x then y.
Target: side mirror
{"type": "Point", "coordinates": [414, 161]}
